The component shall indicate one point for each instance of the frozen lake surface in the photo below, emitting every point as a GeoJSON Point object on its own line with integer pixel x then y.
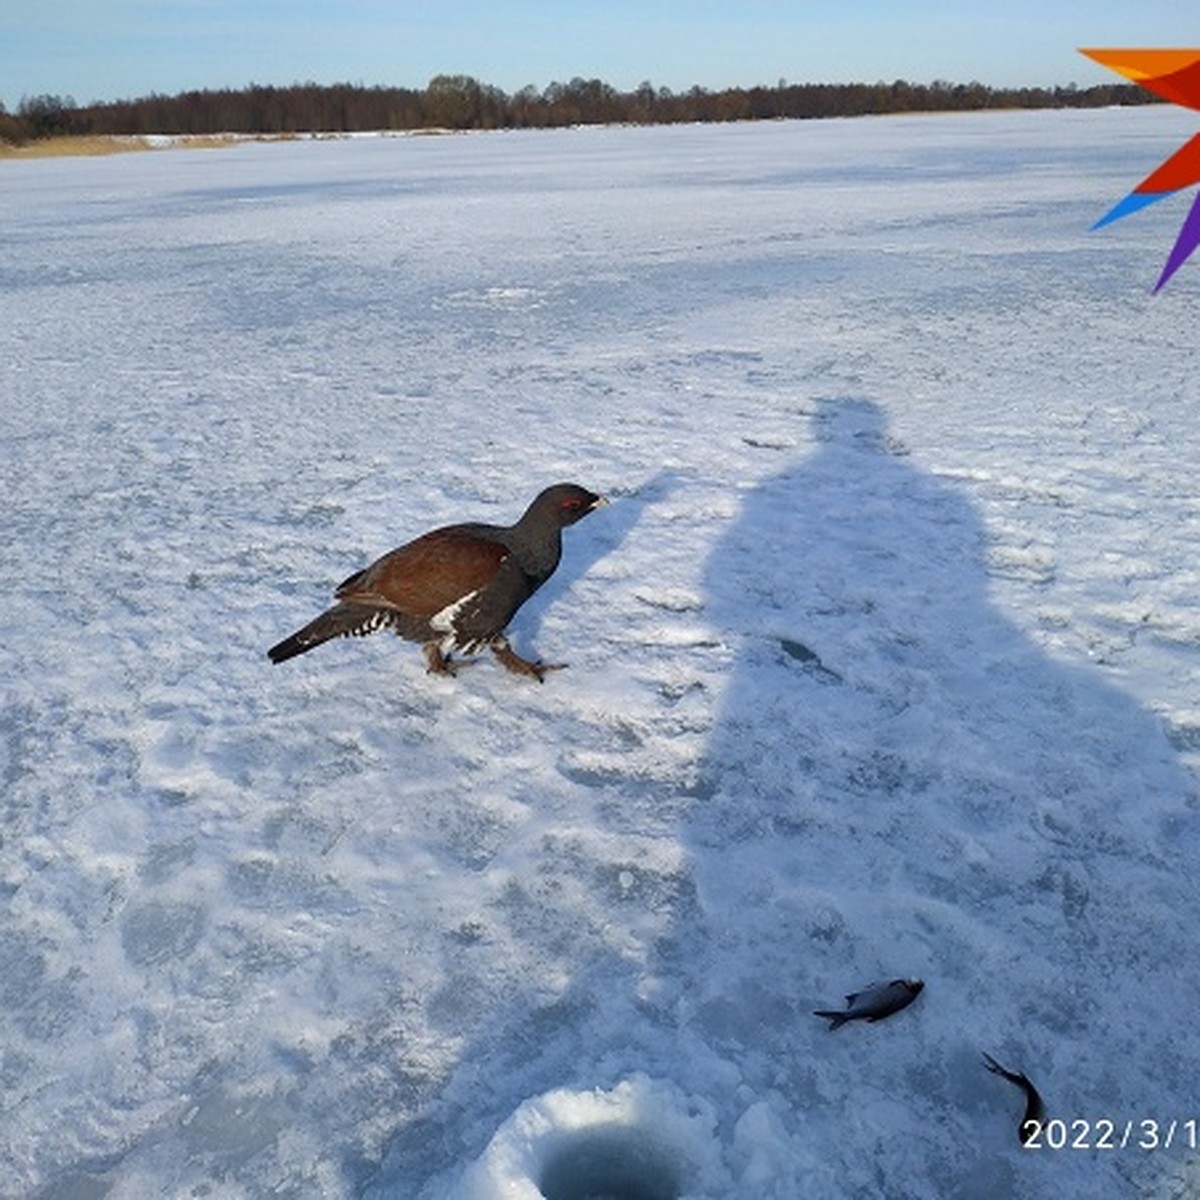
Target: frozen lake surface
{"type": "Point", "coordinates": [885, 662]}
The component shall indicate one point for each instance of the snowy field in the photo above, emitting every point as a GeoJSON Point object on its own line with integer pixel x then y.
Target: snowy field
{"type": "Point", "coordinates": [884, 661]}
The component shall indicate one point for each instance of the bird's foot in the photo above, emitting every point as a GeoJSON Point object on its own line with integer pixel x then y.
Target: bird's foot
{"type": "Point", "coordinates": [438, 663]}
{"type": "Point", "coordinates": [513, 662]}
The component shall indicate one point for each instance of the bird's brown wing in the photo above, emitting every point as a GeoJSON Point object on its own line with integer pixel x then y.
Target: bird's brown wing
{"type": "Point", "coordinates": [428, 574]}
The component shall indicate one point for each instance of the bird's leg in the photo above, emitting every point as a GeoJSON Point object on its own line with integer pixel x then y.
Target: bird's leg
{"type": "Point", "coordinates": [512, 661]}
{"type": "Point", "coordinates": [438, 663]}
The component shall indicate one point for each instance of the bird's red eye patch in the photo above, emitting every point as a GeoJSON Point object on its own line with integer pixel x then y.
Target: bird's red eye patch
{"type": "Point", "coordinates": [573, 503]}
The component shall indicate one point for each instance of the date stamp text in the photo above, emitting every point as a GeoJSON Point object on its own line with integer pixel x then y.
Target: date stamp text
{"type": "Point", "coordinates": [1104, 1133]}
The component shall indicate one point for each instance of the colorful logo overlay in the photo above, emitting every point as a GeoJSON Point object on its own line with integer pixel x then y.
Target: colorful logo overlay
{"type": "Point", "coordinates": [1175, 76]}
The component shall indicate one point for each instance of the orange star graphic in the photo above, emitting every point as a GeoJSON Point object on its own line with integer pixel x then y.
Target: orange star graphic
{"type": "Point", "coordinates": [1175, 76]}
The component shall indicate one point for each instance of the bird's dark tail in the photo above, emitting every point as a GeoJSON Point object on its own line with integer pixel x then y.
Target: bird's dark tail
{"type": "Point", "coordinates": [342, 620]}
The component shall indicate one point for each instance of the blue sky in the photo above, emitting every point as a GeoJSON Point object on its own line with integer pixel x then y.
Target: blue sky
{"type": "Point", "coordinates": [108, 49]}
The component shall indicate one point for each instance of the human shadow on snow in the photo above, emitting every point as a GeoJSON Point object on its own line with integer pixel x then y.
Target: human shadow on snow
{"type": "Point", "coordinates": [903, 783]}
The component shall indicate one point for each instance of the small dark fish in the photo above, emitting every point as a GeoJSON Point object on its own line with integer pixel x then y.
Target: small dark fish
{"type": "Point", "coordinates": [875, 1002]}
{"type": "Point", "coordinates": [1035, 1110]}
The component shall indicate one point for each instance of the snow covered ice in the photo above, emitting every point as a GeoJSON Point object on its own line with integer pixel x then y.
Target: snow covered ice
{"type": "Point", "coordinates": [883, 663]}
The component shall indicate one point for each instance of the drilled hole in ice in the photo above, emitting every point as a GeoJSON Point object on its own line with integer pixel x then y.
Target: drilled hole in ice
{"type": "Point", "coordinates": [609, 1162]}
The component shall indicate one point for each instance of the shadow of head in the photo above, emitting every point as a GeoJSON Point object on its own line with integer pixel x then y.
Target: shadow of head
{"type": "Point", "coordinates": [599, 537]}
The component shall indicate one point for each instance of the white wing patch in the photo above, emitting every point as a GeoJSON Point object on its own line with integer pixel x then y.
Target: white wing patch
{"type": "Point", "coordinates": [444, 622]}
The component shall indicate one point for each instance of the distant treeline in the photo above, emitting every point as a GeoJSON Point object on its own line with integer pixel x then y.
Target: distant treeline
{"type": "Point", "coordinates": [460, 102]}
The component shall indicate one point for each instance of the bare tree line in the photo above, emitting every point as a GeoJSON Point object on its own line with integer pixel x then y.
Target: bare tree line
{"type": "Point", "coordinates": [461, 102]}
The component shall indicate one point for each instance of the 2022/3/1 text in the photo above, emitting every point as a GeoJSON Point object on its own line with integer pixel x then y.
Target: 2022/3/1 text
{"type": "Point", "coordinates": [1104, 1133]}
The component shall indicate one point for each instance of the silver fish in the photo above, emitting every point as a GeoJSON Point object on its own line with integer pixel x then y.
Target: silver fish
{"type": "Point", "coordinates": [1035, 1110]}
{"type": "Point", "coordinates": [875, 1002]}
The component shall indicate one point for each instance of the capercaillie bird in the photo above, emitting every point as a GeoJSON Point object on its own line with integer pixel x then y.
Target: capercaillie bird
{"type": "Point", "coordinates": [454, 588]}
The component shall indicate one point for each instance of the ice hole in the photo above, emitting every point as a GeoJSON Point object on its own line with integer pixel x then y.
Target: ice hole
{"type": "Point", "coordinates": [613, 1162]}
{"type": "Point", "coordinates": [644, 1140]}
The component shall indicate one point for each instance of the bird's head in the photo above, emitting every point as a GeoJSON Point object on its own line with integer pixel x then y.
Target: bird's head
{"type": "Point", "coordinates": [568, 502]}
